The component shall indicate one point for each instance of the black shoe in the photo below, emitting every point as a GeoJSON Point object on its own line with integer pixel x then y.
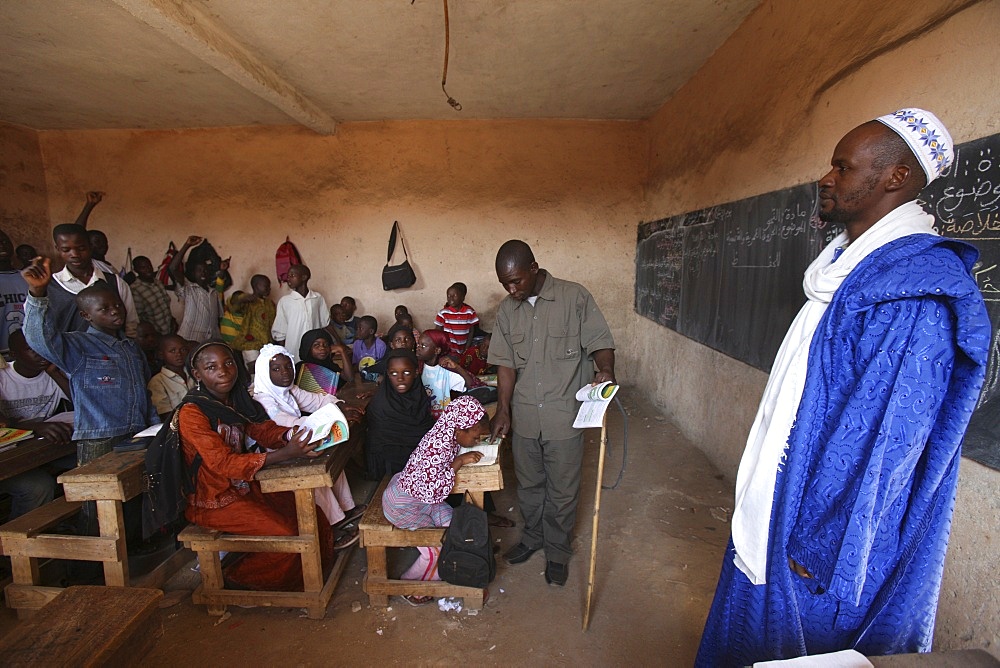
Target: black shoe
{"type": "Point", "coordinates": [519, 554]}
{"type": "Point", "coordinates": [556, 573]}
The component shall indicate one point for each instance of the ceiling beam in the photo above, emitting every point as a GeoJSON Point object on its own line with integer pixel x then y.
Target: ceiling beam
{"type": "Point", "coordinates": [192, 29]}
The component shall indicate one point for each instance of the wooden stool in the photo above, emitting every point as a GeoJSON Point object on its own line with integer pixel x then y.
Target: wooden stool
{"type": "Point", "coordinates": [23, 541]}
{"type": "Point", "coordinates": [87, 626]}
{"type": "Point", "coordinates": [377, 533]}
{"type": "Point", "coordinates": [207, 543]}
{"type": "Point", "coordinates": [109, 481]}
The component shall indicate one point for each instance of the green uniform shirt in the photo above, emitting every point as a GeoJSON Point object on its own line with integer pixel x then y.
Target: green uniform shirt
{"type": "Point", "coordinates": [550, 345]}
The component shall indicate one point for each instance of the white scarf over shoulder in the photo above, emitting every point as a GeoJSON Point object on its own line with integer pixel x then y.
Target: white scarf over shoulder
{"type": "Point", "coordinates": [769, 434]}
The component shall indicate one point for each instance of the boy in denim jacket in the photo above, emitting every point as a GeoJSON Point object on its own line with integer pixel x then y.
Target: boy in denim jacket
{"type": "Point", "coordinates": [108, 372]}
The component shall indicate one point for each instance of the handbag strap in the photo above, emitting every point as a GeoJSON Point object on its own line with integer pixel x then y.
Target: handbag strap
{"type": "Point", "coordinates": [392, 242]}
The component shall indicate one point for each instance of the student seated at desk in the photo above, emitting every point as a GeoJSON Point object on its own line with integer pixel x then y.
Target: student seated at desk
{"type": "Point", "coordinates": [415, 498]}
{"type": "Point", "coordinates": [398, 416]}
{"type": "Point", "coordinates": [284, 403]}
{"type": "Point", "coordinates": [214, 421]}
{"type": "Point", "coordinates": [31, 391]}
{"type": "Point", "coordinates": [319, 349]}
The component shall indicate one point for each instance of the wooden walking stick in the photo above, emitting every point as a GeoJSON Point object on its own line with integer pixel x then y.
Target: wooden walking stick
{"type": "Point", "coordinates": [597, 518]}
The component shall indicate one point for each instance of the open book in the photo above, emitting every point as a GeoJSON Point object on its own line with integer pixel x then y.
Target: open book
{"type": "Point", "coordinates": [10, 435]}
{"type": "Point", "coordinates": [329, 425]}
{"type": "Point", "coordinates": [595, 400]}
{"type": "Point", "coordinates": [489, 448]}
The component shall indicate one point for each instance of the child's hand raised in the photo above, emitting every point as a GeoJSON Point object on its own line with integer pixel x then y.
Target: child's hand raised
{"type": "Point", "coordinates": [224, 264]}
{"type": "Point", "coordinates": [38, 275]}
{"type": "Point", "coordinates": [193, 240]}
{"type": "Point", "coordinates": [448, 363]}
{"type": "Point", "coordinates": [94, 197]}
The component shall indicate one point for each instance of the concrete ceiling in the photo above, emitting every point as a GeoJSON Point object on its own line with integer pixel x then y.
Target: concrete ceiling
{"type": "Point", "coordinates": [72, 64]}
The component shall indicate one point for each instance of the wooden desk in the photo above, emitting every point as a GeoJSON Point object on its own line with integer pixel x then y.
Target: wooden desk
{"type": "Point", "coordinates": [109, 481]}
{"type": "Point", "coordinates": [477, 480]}
{"type": "Point", "coordinates": [30, 454]}
{"type": "Point", "coordinates": [303, 477]}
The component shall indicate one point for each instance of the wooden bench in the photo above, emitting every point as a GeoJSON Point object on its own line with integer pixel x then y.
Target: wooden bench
{"type": "Point", "coordinates": [377, 534]}
{"type": "Point", "coordinates": [87, 626]}
{"type": "Point", "coordinates": [301, 476]}
{"type": "Point", "coordinates": [108, 481]}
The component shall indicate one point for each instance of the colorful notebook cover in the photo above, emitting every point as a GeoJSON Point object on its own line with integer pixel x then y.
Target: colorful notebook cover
{"type": "Point", "coordinates": [316, 378]}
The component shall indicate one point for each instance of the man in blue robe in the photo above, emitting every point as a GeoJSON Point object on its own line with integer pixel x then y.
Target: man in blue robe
{"type": "Point", "coordinates": [845, 492]}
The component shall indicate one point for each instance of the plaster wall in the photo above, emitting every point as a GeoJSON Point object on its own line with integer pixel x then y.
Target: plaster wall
{"type": "Point", "coordinates": [23, 202]}
{"type": "Point", "coordinates": [765, 114]}
{"type": "Point", "coordinates": [570, 189]}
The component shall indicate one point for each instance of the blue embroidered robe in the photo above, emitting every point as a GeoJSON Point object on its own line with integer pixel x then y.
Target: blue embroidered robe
{"type": "Point", "coordinates": [865, 495]}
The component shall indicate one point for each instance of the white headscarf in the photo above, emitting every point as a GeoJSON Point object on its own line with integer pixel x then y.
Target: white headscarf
{"type": "Point", "coordinates": [262, 385]}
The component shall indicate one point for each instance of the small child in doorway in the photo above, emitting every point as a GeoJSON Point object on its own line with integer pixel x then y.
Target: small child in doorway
{"type": "Point", "coordinates": [457, 319]}
{"type": "Point", "coordinates": [368, 348]}
{"type": "Point", "coordinates": [415, 498]}
{"type": "Point", "coordinates": [169, 386]}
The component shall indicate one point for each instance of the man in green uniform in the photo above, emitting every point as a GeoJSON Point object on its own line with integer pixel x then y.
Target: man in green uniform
{"type": "Point", "coordinates": [549, 336]}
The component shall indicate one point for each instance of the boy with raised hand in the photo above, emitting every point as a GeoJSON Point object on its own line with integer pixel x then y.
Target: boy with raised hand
{"type": "Point", "coordinates": [108, 372]}
{"type": "Point", "coordinates": [299, 311]}
{"type": "Point", "coordinates": [201, 296]}
{"type": "Point", "coordinates": [81, 271]}
{"type": "Point", "coordinates": [152, 303]}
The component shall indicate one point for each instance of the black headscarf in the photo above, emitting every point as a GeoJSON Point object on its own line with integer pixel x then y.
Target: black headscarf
{"type": "Point", "coordinates": [305, 349]}
{"type": "Point", "coordinates": [243, 409]}
{"type": "Point", "coordinates": [396, 422]}
{"type": "Point", "coordinates": [392, 332]}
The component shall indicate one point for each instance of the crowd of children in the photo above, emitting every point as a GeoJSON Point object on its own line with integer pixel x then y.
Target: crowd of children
{"type": "Point", "coordinates": [97, 355]}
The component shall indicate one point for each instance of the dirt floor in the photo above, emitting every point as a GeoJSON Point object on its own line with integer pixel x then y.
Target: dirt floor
{"type": "Point", "coordinates": [661, 540]}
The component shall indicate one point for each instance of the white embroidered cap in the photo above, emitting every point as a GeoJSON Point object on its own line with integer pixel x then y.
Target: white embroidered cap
{"type": "Point", "coordinates": [926, 136]}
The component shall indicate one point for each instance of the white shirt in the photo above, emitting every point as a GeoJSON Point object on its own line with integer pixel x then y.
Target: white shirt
{"type": "Point", "coordinates": [73, 285]}
{"type": "Point", "coordinates": [167, 388]}
{"type": "Point", "coordinates": [28, 398]}
{"type": "Point", "coordinates": [295, 316]}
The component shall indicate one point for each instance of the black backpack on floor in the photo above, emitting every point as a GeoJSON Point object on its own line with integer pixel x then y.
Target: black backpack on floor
{"type": "Point", "coordinates": [466, 551]}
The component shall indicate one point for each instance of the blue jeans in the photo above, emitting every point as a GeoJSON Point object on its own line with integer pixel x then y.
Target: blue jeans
{"type": "Point", "coordinates": [87, 451]}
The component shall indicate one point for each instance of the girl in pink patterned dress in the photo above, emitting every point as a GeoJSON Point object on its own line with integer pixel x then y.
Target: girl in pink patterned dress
{"type": "Point", "coordinates": [415, 498]}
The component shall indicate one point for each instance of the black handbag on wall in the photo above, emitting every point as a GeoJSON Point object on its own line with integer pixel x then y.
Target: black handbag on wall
{"type": "Point", "coordinates": [397, 276]}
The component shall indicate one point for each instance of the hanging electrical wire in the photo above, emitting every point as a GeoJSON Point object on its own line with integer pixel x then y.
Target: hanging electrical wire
{"type": "Point", "coordinates": [444, 73]}
{"type": "Point", "coordinates": [456, 105]}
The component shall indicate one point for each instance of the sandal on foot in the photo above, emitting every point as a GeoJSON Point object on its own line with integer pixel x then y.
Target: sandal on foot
{"type": "Point", "coordinates": [346, 539]}
{"type": "Point", "coordinates": [418, 601]}
{"type": "Point", "coordinates": [354, 514]}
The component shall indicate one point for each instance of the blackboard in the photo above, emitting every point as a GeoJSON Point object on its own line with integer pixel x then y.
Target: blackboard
{"type": "Point", "coordinates": [730, 276]}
